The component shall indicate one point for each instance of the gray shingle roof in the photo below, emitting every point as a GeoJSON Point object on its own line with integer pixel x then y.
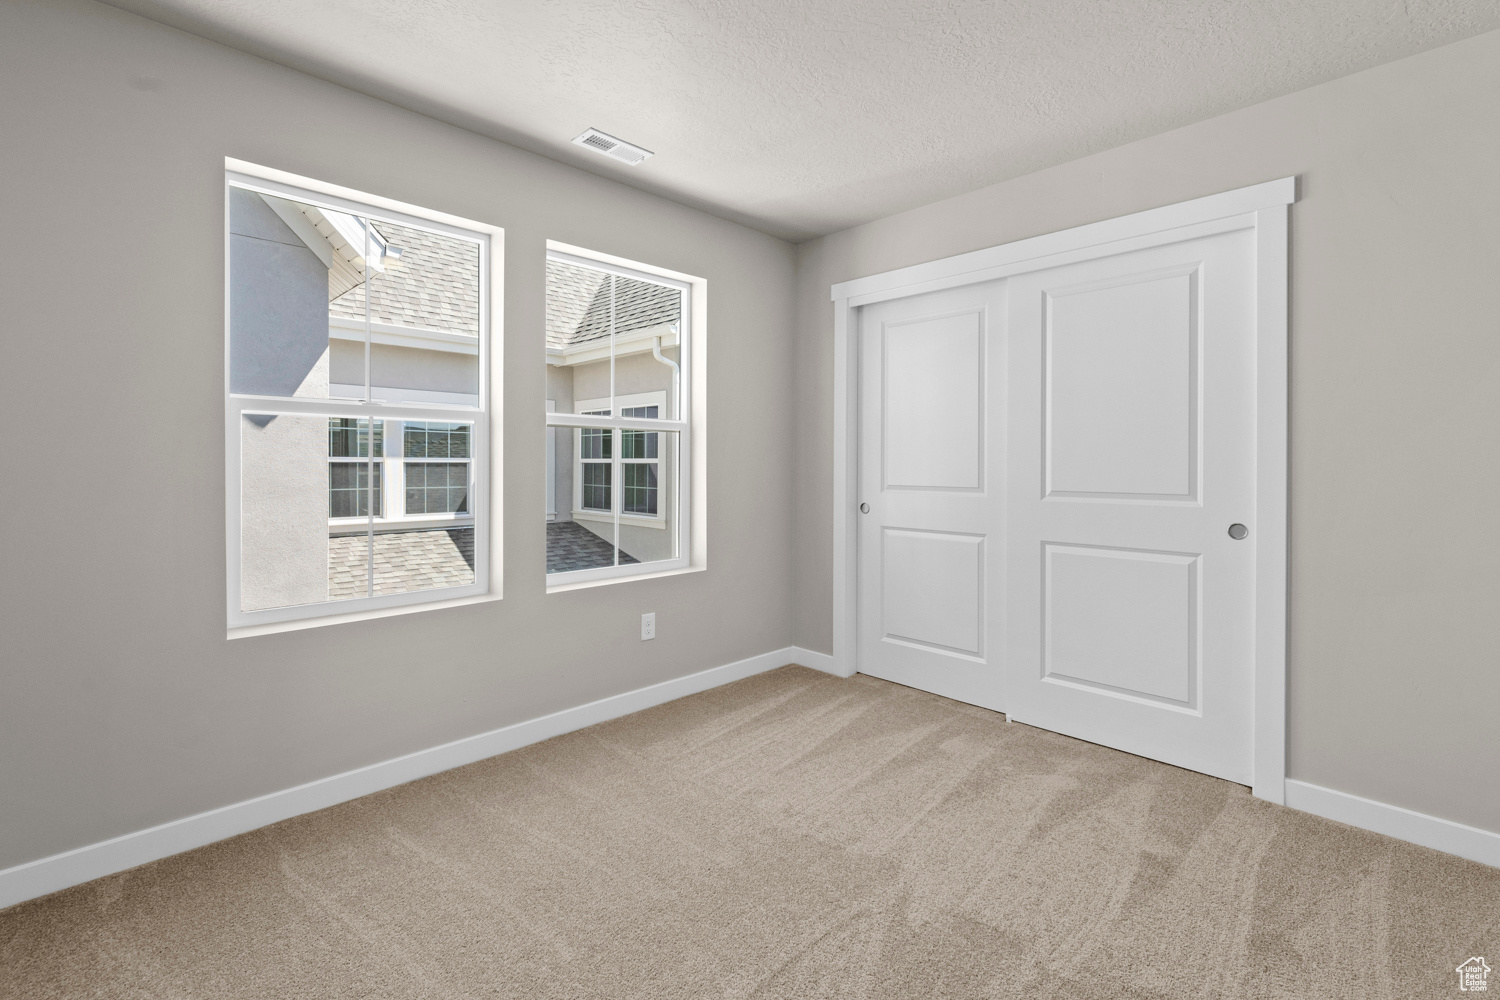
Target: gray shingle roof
{"type": "Point", "coordinates": [571, 546]}
{"type": "Point", "coordinates": [578, 304]}
{"type": "Point", "coordinates": [435, 285]}
{"type": "Point", "coordinates": [404, 561]}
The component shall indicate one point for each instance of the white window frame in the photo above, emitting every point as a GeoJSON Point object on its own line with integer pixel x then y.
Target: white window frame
{"type": "Point", "coordinates": [484, 503]}
{"type": "Point", "coordinates": [685, 490]}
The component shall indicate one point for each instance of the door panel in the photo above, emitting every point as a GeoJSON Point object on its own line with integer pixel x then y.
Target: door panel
{"type": "Point", "coordinates": [933, 371]}
{"type": "Point", "coordinates": [1121, 621]}
{"type": "Point", "coordinates": [1120, 381]}
{"type": "Point", "coordinates": [931, 442]}
{"type": "Point", "coordinates": [932, 589]}
{"type": "Point", "coordinates": [1132, 445]}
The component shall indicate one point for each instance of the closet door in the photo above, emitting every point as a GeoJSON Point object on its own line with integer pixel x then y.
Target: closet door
{"type": "Point", "coordinates": [1130, 521]}
{"type": "Point", "coordinates": [931, 488]}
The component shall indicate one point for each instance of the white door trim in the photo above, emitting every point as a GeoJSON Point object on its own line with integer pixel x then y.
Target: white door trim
{"type": "Point", "coordinates": [1260, 207]}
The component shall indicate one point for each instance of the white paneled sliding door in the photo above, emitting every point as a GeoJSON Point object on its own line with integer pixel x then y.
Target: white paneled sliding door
{"type": "Point", "coordinates": [931, 478]}
{"type": "Point", "coordinates": [1131, 520]}
{"type": "Point", "coordinates": [1061, 487]}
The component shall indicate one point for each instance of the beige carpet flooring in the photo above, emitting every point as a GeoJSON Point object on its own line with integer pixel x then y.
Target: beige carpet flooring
{"type": "Point", "coordinates": [792, 835]}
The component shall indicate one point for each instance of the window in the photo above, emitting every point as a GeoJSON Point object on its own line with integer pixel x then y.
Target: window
{"type": "Point", "coordinates": [351, 490]}
{"type": "Point", "coordinates": [639, 461]}
{"type": "Point", "coordinates": [619, 435]}
{"type": "Point", "coordinates": [437, 487]}
{"type": "Point", "coordinates": [356, 409]}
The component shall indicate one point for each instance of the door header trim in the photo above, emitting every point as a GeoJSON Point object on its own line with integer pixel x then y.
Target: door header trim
{"type": "Point", "coordinates": [1031, 254]}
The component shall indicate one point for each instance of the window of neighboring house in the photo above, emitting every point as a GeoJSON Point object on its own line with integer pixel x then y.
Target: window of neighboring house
{"type": "Point", "coordinates": [596, 467]}
{"type": "Point", "coordinates": [639, 461]}
{"type": "Point", "coordinates": [418, 488]}
{"type": "Point", "coordinates": [353, 485]}
{"type": "Point", "coordinates": [436, 487]}
{"type": "Point", "coordinates": [619, 348]}
{"type": "Point", "coordinates": [357, 411]}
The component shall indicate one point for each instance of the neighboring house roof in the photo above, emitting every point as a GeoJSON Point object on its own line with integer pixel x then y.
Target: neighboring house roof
{"type": "Point", "coordinates": [433, 285]}
{"type": "Point", "coordinates": [404, 561]}
{"type": "Point", "coordinates": [339, 240]}
{"type": "Point", "coordinates": [578, 305]}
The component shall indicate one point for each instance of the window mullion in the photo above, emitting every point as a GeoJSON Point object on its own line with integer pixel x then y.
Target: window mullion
{"type": "Point", "coordinates": [616, 475]}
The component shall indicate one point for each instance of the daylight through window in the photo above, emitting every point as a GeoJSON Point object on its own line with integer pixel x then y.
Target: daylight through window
{"type": "Point", "coordinates": [356, 407]}
{"type": "Point", "coordinates": [619, 434]}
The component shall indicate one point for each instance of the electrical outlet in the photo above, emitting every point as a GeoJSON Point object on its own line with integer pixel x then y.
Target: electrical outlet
{"type": "Point", "coordinates": [648, 626]}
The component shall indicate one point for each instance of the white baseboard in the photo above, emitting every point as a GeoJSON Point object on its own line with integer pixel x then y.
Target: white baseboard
{"type": "Point", "coordinates": [84, 864]}
{"type": "Point", "coordinates": [817, 661]}
{"type": "Point", "coordinates": [1393, 821]}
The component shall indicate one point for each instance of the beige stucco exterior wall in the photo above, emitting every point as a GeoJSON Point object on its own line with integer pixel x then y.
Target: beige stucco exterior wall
{"type": "Point", "coordinates": [404, 367]}
{"type": "Point", "coordinates": [284, 511]}
{"type": "Point", "coordinates": [1395, 363]}
{"type": "Point", "coordinates": [639, 372]}
{"type": "Point", "coordinates": [125, 706]}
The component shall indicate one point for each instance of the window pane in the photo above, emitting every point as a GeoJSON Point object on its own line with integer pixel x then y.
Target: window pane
{"type": "Point", "coordinates": [349, 437]}
{"type": "Point", "coordinates": [576, 544]}
{"type": "Point", "coordinates": [288, 490]}
{"type": "Point", "coordinates": [595, 443]}
{"type": "Point", "coordinates": [430, 439]}
{"type": "Point", "coordinates": [437, 488]}
{"type": "Point", "coordinates": [583, 534]}
{"type": "Point", "coordinates": [597, 485]}
{"type": "Point", "coordinates": [640, 488]}
{"type": "Point", "coordinates": [348, 563]}
{"type": "Point", "coordinates": [593, 315]}
{"type": "Point", "coordinates": [647, 320]}
{"type": "Point", "coordinates": [423, 560]}
{"type": "Point", "coordinates": [638, 444]}
{"type": "Point", "coordinates": [288, 261]}
{"type": "Point", "coordinates": [648, 498]}
{"type": "Point", "coordinates": [353, 489]}
{"type": "Point", "coordinates": [424, 304]}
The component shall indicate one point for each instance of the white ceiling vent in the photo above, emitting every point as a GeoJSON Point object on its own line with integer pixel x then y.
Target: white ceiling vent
{"type": "Point", "coordinates": [621, 150]}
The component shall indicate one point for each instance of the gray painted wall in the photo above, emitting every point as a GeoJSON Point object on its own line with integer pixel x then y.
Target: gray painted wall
{"type": "Point", "coordinates": [121, 703]}
{"type": "Point", "coordinates": [1395, 632]}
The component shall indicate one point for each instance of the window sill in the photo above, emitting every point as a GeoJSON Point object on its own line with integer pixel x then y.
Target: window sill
{"type": "Point", "coordinates": [558, 588]}
{"type": "Point", "coordinates": [270, 628]}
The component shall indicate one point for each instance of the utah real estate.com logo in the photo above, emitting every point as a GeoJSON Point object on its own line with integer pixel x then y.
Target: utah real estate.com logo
{"type": "Point", "coordinates": [1474, 975]}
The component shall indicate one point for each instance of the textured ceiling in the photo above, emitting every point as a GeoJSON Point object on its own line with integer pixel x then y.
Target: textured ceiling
{"type": "Point", "coordinates": [803, 117]}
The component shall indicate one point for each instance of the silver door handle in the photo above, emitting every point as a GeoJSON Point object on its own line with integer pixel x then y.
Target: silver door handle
{"type": "Point", "coordinates": [864, 508]}
{"type": "Point", "coordinates": [1238, 531]}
